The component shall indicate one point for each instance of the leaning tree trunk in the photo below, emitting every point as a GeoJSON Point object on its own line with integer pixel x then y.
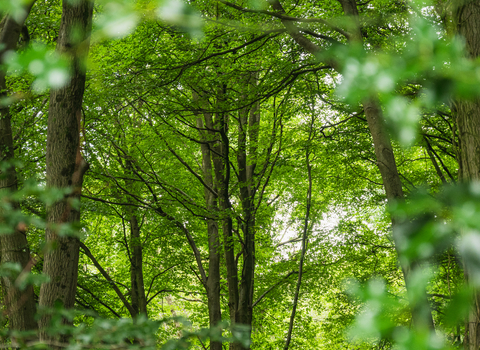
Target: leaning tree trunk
{"type": "Point", "coordinates": [19, 305]}
{"type": "Point", "coordinates": [421, 313]}
{"type": "Point", "coordinates": [383, 148]}
{"type": "Point", "coordinates": [65, 164]}
{"type": "Point", "coordinates": [467, 18]}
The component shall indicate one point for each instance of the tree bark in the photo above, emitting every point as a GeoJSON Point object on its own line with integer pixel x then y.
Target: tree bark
{"type": "Point", "coordinates": [65, 164]}
{"type": "Point", "coordinates": [248, 124]}
{"type": "Point", "coordinates": [19, 305]}
{"type": "Point", "coordinates": [218, 131]}
{"type": "Point", "coordinates": [213, 279]}
{"type": "Point", "coordinates": [467, 19]}
{"type": "Point", "coordinates": [139, 301]}
{"type": "Point", "coordinates": [135, 249]}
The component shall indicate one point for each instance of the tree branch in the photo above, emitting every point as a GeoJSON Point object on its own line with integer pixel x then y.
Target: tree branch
{"type": "Point", "coordinates": [104, 273]}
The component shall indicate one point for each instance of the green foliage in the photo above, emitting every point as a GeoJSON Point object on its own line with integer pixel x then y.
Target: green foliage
{"type": "Point", "coordinates": [138, 107]}
{"type": "Point", "coordinates": [15, 8]}
{"type": "Point", "coordinates": [437, 65]}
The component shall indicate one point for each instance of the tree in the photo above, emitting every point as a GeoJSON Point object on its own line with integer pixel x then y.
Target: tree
{"type": "Point", "coordinates": [65, 164]}
{"type": "Point", "coordinates": [466, 17]}
{"type": "Point", "coordinates": [19, 304]}
{"type": "Point", "coordinates": [383, 148]}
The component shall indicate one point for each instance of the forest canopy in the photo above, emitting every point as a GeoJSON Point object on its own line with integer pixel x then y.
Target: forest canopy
{"type": "Point", "coordinates": [247, 174]}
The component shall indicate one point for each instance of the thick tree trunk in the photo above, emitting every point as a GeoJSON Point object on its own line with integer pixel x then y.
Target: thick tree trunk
{"type": "Point", "coordinates": [467, 18]}
{"type": "Point", "coordinates": [19, 305]}
{"type": "Point", "coordinates": [213, 280]}
{"type": "Point", "coordinates": [65, 164]}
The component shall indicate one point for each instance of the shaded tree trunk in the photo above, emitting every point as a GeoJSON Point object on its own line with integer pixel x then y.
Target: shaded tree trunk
{"type": "Point", "coordinates": [248, 124]}
{"type": "Point", "coordinates": [213, 279]}
{"type": "Point", "coordinates": [421, 313]}
{"type": "Point", "coordinates": [218, 131]}
{"type": "Point", "coordinates": [467, 19]}
{"type": "Point", "coordinates": [139, 301]}
{"type": "Point", "coordinates": [19, 305]}
{"type": "Point", "coordinates": [134, 248]}
{"type": "Point", "coordinates": [65, 164]}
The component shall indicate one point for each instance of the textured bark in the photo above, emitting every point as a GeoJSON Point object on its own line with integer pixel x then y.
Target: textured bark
{"type": "Point", "coordinates": [19, 305]}
{"type": "Point", "coordinates": [213, 279]}
{"type": "Point", "coordinates": [383, 150]}
{"type": "Point", "coordinates": [139, 301]}
{"type": "Point", "coordinates": [65, 164]}
{"type": "Point", "coordinates": [467, 19]}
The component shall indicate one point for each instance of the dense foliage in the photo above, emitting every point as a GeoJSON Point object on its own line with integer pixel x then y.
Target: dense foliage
{"type": "Point", "coordinates": [252, 174]}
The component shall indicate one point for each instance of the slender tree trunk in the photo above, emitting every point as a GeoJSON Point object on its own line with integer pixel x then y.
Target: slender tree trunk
{"type": "Point", "coordinates": [139, 301]}
{"type": "Point", "coordinates": [218, 131]}
{"type": "Point", "coordinates": [304, 240]}
{"type": "Point", "coordinates": [65, 164]}
{"type": "Point", "coordinates": [135, 251]}
{"type": "Point", "coordinates": [213, 280]}
{"type": "Point", "coordinates": [467, 18]}
{"type": "Point", "coordinates": [19, 305]}
{"type": "Point", "coordinates": [248, 123]}
{"type": "Point", "coordinates": [240, 296]}
{"type": "Point", "coordinates": [421, 313]}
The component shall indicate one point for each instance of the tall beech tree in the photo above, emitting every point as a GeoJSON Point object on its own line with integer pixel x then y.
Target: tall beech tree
{"type": "Point", "coordinates": [20, 305]}
{"type": "Point", "coordinates": [65, 165]}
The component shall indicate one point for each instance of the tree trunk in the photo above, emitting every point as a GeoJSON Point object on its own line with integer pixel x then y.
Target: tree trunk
{"type": "Point", "coordinates": [139, 301]}
{"type": "Point", "coordinates": [304, 238]}
{"type": "Point", "coordinates": [213, 280]}
{"type": "Point", "coordinates": [467, 18]}
{"type": "Point", "coordinates": [218, 131]}
{"type": "Point", "coordinates": [65, 164]}
{"type": "Point", "coordinates": [19, 305]}
{"type": "Point", "coordinates": [248, 123]}
{"type": "Point", "coordinates": [421, 313]}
